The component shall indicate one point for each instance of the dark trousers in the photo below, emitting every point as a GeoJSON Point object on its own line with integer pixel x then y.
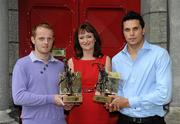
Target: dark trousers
{"type": "Point", "coordinates": [123, 119]}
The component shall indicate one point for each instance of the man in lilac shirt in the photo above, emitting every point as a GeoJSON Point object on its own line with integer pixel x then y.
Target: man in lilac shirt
{"type": "Point", "coordinates": [35, 81]}
{"type": "Point", "coordinates": [146, 84]}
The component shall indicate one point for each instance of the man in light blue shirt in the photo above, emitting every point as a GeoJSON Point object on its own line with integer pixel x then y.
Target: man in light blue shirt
{"type": "Point", "coordinates": [146, 82]}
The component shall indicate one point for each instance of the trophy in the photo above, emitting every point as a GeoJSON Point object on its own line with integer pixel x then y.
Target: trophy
{"type": "Point", "coordinates": [70, 85]}
{"type": "Point", "coordinates": [108, 83]}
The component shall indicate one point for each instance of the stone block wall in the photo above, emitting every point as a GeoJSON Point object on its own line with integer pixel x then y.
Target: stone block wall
{"type": "Point", "coordinates": [174, 17]}
{"type": "Point", "coordinates": [155, 15]}
{"type": "Point", "coordinates": [13, 36]}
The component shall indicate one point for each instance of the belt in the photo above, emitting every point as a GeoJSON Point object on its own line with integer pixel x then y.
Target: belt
{"type": "Point", "coordinates": [139, 120]}
{"type": "Point", "coordinates": [88, 90]}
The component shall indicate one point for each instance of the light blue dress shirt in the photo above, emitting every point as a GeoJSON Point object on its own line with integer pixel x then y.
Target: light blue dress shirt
{"type": "Point", "coordinates": [145, 81]}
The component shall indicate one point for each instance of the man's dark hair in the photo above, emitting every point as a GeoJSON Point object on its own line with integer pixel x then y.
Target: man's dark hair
{"type": "Point", "coordinates": [97, 46]}
{"type": "Point", "coordinates": [133, 15]}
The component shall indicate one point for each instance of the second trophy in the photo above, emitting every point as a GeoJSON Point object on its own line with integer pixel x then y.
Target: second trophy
{"type": "Point", "coordinates": [107, 85]}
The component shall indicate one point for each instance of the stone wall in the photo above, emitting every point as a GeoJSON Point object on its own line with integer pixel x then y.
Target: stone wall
{"type": "Point", "coordinates": [155, 15]}
{"type": "Point", "coordinates": [13, 49]}
{"type": "Point", "coordinates": [174, 24]}
{"type": "Point", "coordinates": [13, 36]}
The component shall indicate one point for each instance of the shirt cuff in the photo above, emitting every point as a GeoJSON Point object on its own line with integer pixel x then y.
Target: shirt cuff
{"type": "Point", "coordinates": [134, 102]}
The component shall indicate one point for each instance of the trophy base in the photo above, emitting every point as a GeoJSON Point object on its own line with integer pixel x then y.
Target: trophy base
{"type": "Point", "coordinates": [102, 99]}
{"type": "Point", "coordinates": [72, 99]}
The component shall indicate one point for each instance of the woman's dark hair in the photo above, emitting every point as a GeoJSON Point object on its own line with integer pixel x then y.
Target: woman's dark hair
{"type": "Point", "coordinates": [133, 15]}
{"type": "Point", "coordinates": [97, 46]}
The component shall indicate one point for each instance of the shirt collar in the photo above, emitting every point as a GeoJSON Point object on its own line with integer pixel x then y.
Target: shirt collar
{"type": "Point", "coordinates": [34, 58]}
{"type": "Point", "coordinates": [146, 46]}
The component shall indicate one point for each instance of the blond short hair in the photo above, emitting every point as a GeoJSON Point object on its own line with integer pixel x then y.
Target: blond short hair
{"type": "Point", "coordinates": [43, 25]}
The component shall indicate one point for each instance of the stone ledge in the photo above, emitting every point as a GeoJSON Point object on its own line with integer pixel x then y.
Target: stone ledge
{"type": "Point", "coordinates": [173, 116]}
{"type": "Point", "coordinates": [5, 118]}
